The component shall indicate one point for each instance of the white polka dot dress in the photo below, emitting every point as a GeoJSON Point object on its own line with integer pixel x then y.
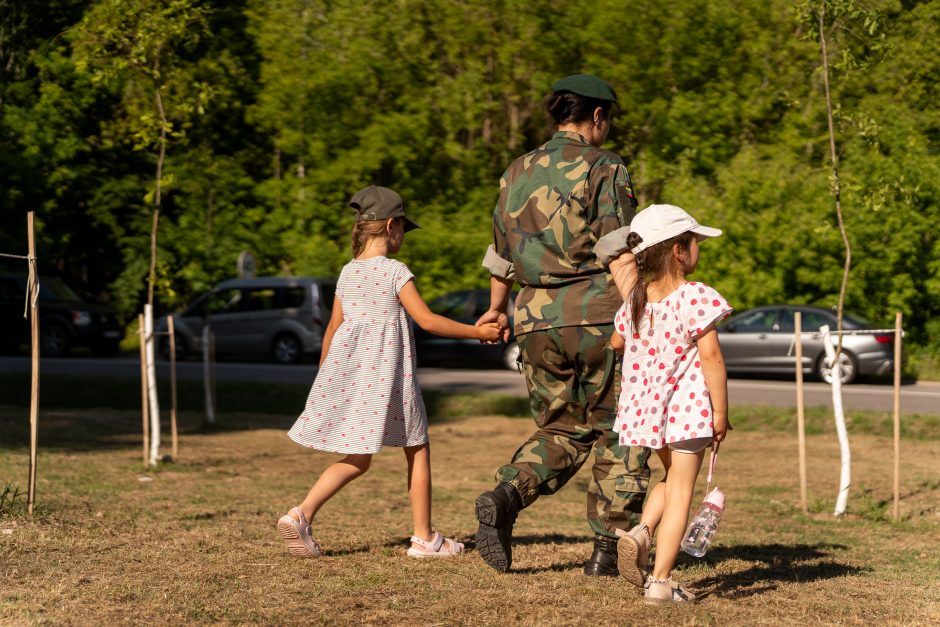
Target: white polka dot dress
{"type": "Point", "coordinates": [365, 395]}
{"type": "Point", "coordinates": [663, 397]}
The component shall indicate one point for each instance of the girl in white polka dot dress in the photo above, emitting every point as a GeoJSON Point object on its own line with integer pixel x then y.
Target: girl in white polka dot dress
{"type": "Point", "coordinates": [674, 390]}
{"type": "Point", "coordinates": [365, 395]}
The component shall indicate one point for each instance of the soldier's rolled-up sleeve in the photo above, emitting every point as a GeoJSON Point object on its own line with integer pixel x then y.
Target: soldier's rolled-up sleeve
{"type": "Point", "coordinates": [498, 257]}
{"type": "Point", "coordinates": [612, 245]}
{"type": "Point", "coordinates": [497, 266]}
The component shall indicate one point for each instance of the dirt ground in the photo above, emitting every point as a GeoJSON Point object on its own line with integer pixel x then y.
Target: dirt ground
{"type": "Point", "coordinates": [195, 541]}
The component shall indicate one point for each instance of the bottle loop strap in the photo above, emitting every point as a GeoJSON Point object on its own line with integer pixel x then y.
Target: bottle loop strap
{"type": "Point", "coordinates": [711, 467]}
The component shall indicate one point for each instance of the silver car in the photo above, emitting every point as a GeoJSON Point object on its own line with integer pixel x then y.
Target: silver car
{"type": "Point", "coordinates": [761, 340]}
{"type": "Point", "coordinates": [279, 317]}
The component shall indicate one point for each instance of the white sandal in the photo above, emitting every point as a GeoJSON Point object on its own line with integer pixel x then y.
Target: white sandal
{"type": "Point", "coordinates": [298, 535]}
{"type": "Point", "coordinates": [439, 546]}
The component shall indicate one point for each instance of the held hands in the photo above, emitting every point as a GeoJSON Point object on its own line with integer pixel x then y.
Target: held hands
{"type": "Point", "coordinates": [488, 332]}
{"type": "Point", "coordinates": [501, 321]}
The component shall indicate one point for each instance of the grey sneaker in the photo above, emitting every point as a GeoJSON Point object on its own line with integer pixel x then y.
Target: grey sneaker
{"type": "Point", "coordinates": [658, 591]}
{"type": "Point", "coordinates": [633, 554]}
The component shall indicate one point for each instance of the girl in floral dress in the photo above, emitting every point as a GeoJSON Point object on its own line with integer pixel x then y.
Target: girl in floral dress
{"type": "Point", "coordinates": [674, 392]}
{"type": "Point", "coordinates": [365, 395]}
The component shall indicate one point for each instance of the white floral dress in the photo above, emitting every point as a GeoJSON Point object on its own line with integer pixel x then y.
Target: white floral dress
{"type": "Point", "coordinates": [365, 395]}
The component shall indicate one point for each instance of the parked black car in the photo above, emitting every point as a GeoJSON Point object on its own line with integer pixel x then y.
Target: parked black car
{"type": "Point", "coordinates": [464, 306]}
{"type": "Point", "coordinates": [65, 321]}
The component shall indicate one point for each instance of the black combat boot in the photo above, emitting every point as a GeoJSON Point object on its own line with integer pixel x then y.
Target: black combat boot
{"type": "Point", "coordinates": [496, 510]}
{"type": "Point", "coordinates": [603, 561]}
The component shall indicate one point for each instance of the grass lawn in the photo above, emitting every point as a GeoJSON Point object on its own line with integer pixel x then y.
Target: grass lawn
{"type": "Point", "coordinates": [195, 541]}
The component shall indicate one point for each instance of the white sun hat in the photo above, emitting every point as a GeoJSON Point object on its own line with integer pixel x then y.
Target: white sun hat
{"type": "Point", "coordinates": [657, 223]}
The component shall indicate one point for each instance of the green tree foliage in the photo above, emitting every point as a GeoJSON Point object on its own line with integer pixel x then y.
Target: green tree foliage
{"type": "Point", "coordinates": [305, 101]}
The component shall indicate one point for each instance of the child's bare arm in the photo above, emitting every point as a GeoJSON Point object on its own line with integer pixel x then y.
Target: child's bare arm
{"type": "Point", "coordinates": [336, 319]}
{"type": "Point", "coordinates": [623, 269]}
{"type": "Point", "coordinates": [439, 325]}
{"type": "Point", "coordinates": [716, 379]}
{"type": "Point", "coordinates": [617, 343]}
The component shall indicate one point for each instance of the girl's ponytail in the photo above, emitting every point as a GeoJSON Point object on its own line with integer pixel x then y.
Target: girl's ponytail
{"type": "Point", "coordinates": [364, 230]}
{"type": "Point", "coordinates": [638, 292]}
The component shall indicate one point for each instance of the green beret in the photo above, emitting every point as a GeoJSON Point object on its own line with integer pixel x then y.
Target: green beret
{"type": "Point", "coordinates": [585, 85]}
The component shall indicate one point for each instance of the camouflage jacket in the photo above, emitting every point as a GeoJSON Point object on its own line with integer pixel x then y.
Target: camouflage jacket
{"type": "Point", "coordinates": [554, 204]}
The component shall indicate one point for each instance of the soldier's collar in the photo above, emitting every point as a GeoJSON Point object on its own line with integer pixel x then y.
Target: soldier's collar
{"type": "Point", "coordinates": [570, 135]}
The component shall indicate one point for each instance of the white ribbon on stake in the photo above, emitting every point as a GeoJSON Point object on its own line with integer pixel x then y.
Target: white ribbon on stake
{"type": "Point", "coordinates": [845, 474]}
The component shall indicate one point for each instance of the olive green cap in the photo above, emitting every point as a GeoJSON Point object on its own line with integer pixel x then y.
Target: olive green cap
{"type": "Point", "coordinates": [586, 85]}
{"type": "Point", "coordinates": [380, 203]}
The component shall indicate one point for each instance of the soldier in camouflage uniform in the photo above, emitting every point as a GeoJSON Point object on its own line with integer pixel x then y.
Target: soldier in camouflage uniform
{"type": "Point", "coordinates": [555, 203]}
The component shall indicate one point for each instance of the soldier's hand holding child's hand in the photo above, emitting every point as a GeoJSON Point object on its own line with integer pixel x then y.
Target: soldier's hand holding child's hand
{"type": "Point", "coordinates": [489, 332]}
{"type": "Point", "coordinates": [501, 319]}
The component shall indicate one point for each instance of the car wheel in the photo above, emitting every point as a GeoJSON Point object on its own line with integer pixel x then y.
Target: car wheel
{"type": "Point", "coordinates": [182, 349]}
{"type": "Point", "coordinates": [847, 361]}
{"type": "Point", "coordinates": [287, 349]}
{"type": "Point", "coordinates": [53, 340]}
{"type": "Point", "coordinates": [511, 356]}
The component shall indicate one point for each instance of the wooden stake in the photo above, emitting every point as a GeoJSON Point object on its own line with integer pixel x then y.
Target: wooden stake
{"type": "Point", "coordinates": [144, 399]}
{"type": "Point", "coordinates": [208, 374]}
{"type": "Point", "coordinates": [173, 436]}
{"type": "Point", "coordinates": [897, 416]}
{"type": "Point", "coordinates": [34, 383]}
{"type": "Point", "coordinates": [800, 416]}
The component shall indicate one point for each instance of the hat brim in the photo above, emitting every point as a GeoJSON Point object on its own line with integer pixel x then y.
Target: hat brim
{"type": "Point", "coordinates": [706, 231]}
{"type": "Point", "coordinates": [411, 225]}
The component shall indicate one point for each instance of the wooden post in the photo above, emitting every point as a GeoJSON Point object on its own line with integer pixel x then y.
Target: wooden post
{"type": "Point", "coordinates": [897, 416]}
{"type": "Point", "coordinates": [173, 435]}
{"type": "Point", "coordinates": [144, 398]}
{"type": "Point", "coordinates": [34, 383]}
{"type": "Point", "coordinates": [800, 416]}
{"type": "Point", "coordinates": [208, 374]}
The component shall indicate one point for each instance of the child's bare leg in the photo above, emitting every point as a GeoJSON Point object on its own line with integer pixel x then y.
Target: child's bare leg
{"type": "Point", "coordinates": [679, 484]}
{"type": "Point", "coordinates": [656, 498]}
{"type": "Point", "coordinates": [419, 488]}
{"type": "Point", "coordinates": [337, 475]}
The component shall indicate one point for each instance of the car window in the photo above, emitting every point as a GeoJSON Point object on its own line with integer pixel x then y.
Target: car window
{"type": "Point", "coordinates": [258, 299]}
{"type": "Point", "coordinates": [455, 305]}
{"type": "Point", "coordinates": [51, 288]}
{"type": "Point", "coordinates": [756, 321]}
{"type": "Point", "coordinates": [198, 308]}
{"type": "Point", "coordinates": [291, 297]}
{"type": "Point", "coordinates": [481, 304]}
{"type": "Point", "coordinates": [327, 295]}
{"type": "Point", "coordinates": [812, 320]}
{"type": "Point", "coordinates": [225, 301]}
{"type": "Point", "coordinates": [10, 290]}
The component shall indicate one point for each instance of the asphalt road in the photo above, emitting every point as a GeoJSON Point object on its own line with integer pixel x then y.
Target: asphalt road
{"type": "Point", "coordinates": [923, 397]}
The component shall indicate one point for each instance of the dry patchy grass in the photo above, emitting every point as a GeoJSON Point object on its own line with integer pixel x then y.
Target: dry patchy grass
{"type": "Point", "coordinates": [195, 541]}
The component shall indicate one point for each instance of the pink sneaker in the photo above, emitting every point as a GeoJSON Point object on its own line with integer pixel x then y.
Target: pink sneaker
{"type": "Point", "coordinates": [439, 546]}
{"type": "Point", "coordinates": [298, 535]}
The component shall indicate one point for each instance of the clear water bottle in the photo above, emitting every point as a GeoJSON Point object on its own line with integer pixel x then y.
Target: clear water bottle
{"type": "Point", "coordinates": [698, 536]}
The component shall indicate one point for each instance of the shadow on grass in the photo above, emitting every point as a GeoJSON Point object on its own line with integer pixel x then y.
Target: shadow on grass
{"type": "Point", "coordinates": [68, 419]}
{"type": "Point", "coordinates": [773, 564]}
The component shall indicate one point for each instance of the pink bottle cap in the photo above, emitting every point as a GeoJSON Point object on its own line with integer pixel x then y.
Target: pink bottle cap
{"type": "Point", "coordinates": [716, 498]}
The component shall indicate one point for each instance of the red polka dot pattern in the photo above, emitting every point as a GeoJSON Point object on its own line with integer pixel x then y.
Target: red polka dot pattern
{"type": "Point", "coordinates": [666, 399]}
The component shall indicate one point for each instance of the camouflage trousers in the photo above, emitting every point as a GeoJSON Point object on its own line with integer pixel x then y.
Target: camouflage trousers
{"type": "Point", "coordinates": [573, 378]}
